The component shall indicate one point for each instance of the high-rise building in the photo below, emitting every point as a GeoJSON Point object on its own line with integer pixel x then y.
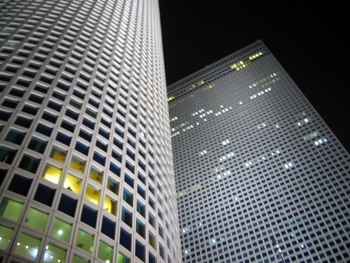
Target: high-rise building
{"type": "Point", "coordinates": [86, 166]}
{"type": "Point", "coordinates": [260, 176]}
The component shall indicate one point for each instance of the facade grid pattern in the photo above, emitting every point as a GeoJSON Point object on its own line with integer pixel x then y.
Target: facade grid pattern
{"type": "Point", "coordinates": [86, 172]}
{"type": "Point", "coordinates": [260, 177]}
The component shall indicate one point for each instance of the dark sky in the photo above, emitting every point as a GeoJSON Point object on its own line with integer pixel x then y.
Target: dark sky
{"type": "Point", "coordinates": [309, 40]}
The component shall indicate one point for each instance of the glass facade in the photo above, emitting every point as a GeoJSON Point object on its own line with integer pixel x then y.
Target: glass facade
{"type": "Point", "coordinates": [260, 177]}
{"type": "Point", "coordinates": [86, 172]}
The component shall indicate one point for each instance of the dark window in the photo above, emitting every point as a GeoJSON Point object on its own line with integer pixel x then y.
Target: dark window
{"type": "Point", "coordinates": [114, 169]}
{"type": "Point", "coordinates": [2, 175]}
{"type": "Point", "coordinates": [10, 103]}
{"type": "Point", "coordinates": [82, 148]}
{"type": "Point", "coordinates": [49, 117]}
{"type": "Point", "coordinates": [55, 106]}
{"type": "Point", "coordinates": [85, 135]}
{"type": "Point", "coordinates": [151, 258]}
{"type": "Point", "coordinates": [125, 239]}
{"type": "Point", "coordinates": [88, 216]}
{"type": "Point", "coordinates": [141, 191]}
{"type": "Point", "coordinates": [88, 123]}
{"type": "Point", "coordinates": [129, 180]}
{"type": "Point", "coordinates": [104, 133]}
{"type": "Point", "coordinates": [4, 116]}
{"type": "Point", "coordinates": [141, 209]}
{"type": "Point", "coordinates": [108, 227]}
{"type": "Point", "coordinates": [67, 205]}
{"type": "Point", "coordinates": [24, 122]}
{"type": "Point", "coordinates": [72, 114]}
{"type": "Point", "coordinates": [20, 185]}
{"type": "Point", "coordinates": [37, 145]}
{"type": "Point", "coordinates": [68, 126]}
{"type": "Point", "coordinates": [7, 155]}
{"type": "Point", "coordinates": [29, 163]}
{"type": "Point", "coordinates": [63, 138]}
{"type": "Point", "coordinates": [127, 217]}
{"type": "Point", "coordinates": [99, 158]}
{"type": "Point", "coordinates": [15, 136]}
{"type": "Point", "coordinates": [44, 194]}
{"type": "Point", "coordinates": [128, 197]}
{"type": "Point", "coordinates": [140, 228]}
{"type": "Point", "coordinates": [140, 251]}
{"type": "Point", "coordinates": [43, 129]}
{"type": "Point", "coordinates": [17, 92]}
{"type": "Point", "coordinates": [36, 98]}
{"type": "Point", "coordinates": [30, 109]}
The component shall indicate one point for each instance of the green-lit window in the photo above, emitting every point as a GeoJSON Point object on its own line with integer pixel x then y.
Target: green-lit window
{"type": "Point", "coordinates": [58, 154]}
{"type": "Point", "coordinates": [77, 259]}
{"type": "Point", "coordinates": [54, 254]}
{"type": "Point", "coordinates": [72, 183]}
{"type": "Point", "coordinates": [5, 236]}
{"type": "Point", "coordinates": [105, 252]}
{"type": "Point", "coordinates": [96, 175]}
{"type": "Point", "coordinates": [78, 164]}
{"type": "Point", "coordinates": [110, 205]}
{"type": "Point", "coordinates": [52, 174]}
{"type": "Point", "coordinates": [85, 241]}
{"type": "Point", "coordinates": [36, 219]}
{"type": "Point", "coordinates": [10, 209]}
{"type": "Point", "coordinates": [61, 230]}
{"type": "Point", "coordinates": [27, 246]}
{"type": "Point", "coordinates": [123, 259]}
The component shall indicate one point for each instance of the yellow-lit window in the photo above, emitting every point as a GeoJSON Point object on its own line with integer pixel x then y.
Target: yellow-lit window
{"type": "Point", "coordinates": [52, 174]}
{"type": "Point", "coordinates": [78, 164]}
{"type": "Point", "coordinates": [92, 195]}
{"type": "Point", "coordinates": [96, 175]}
{"type": "Point", "coordinates": [72, 183]}
{"type": "Point", "coordinates": [58, 154]}
{"type": "Point", "coordinates": [110, 205]}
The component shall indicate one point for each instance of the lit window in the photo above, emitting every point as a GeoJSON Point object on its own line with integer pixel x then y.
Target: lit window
{"type": "Point", "coordinates": [72, 183]}
{"type": "Point", "coordinates": [92, 195]}
{"type": "Point", "coordinates": [61, 230]}
{"type": "Point", "coordinates": [54, 254]}
{"type": "Point", "coordinates": [36, 219]}
{"type": "Point", "coordinates": [10, 209]}
{"type": "Point", "coordinates": [52, 174]}
{"type": "Point", "coordinates": [5, 236]}
{"type": "Point", "coordinates": [78, 164]}
{"type": "Point", "coordinates": [27, 246]}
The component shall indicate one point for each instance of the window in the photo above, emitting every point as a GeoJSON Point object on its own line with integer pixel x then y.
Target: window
{"type": "Point", "coordinates": [67, 205]}
{"type": "Point", "coordinates": [125, 239]}
{"type": "Point", "coordinates": [92, 194]}
{"type": "Point", "coordinates": [20, 185]}
{"type": "Point", "coordinates": [85, 241]}
{"type": "Point", "coordinates": [37, 145]}
{"type": "Point", "coordinates": [15, 136]}
{"type": "Point", "coordinates": [10, 209]}
{"type": "Point", "coordinates": [105, 252]}
{"type": "Point", "coordinates": [72, 183]}
{"type": "Point", "coordinates": [36, 219]}
{"type": "Point", "coordinates": [108, 227]}
{"type": "Point", "coordinates": [54, 254]}
{"type": "Point", "coordinates": [7, 155]}
{"type": "Point", "coordinates": [78, 164]}
{"type": "Point", "coordinates": [6, 236]}
{"type": "Point", "coordinates": [43, 129]}
{"type": "Point", "coordinates": [127, 217]}
{"type": "Point", "coordinates": [61, 230]}
{"type": "Point", "coordinates": [96, 175]}
{"type": "Point", "coordinates": [88, 216]}
{"type": "Point", "coordinates": [44, 195]}
{"type": "Point", "coordinates": [140, 250]}
{"type": "Point", "coordinates": [58, 154]}
{"type": "Point", "coordinates": [52, 174]}
{"type": "Point", "coordinates": [26, 244]}
{"type": "Point", "coordinates": [128, 197]}
{"type": "Point", "coordinates": [29, 163]}
{"type": "Point", "coordinates": [113, 185]}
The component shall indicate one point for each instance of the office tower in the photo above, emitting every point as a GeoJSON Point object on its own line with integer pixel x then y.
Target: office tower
{"type": "Point", "coordinates": [260, 176]}
{"type": "Point", "coordinates": [85, 150]}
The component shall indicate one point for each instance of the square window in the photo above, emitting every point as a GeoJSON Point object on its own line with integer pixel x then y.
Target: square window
{"type": "Point", "coordinates": [105, 252]}
{"type": "Point", "coordinates": [72, 183]}
{"type": "Point", "coordinates": [44, 195]}
{"type": "Point", "coordinates": [108, 227]}
{"type": "Point", "coordinates": [89, 216]}
{"type": "Point", "coordinates": [85, 241]}
{"type": "Point", "coordinates": [61, 230]}
{"type": "Point", "coordinates": [20, 185]}
{"type": "Point", "coordinates": [67, 205]}
{"type": "Point", "coordinates": [29, 163]}
{"type": "Point", "coordinates": [25, 245]}
{"type": "Point", "coordinates": [15, 136]}
{"type": "Point", "coordinates": [37, 145]}
{"type": "Point", "coordinates": [36, 219]}
{"type": "Point", "coordinates": [10, 209]}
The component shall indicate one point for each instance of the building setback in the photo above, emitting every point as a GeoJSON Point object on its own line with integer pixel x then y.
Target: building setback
{"type": "Point", "coordinates": [260, 176]}
{"type": "Point", "coordinates": [86, 172]}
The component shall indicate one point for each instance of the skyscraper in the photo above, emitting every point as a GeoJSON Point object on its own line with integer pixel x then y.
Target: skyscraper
{"type": "Point", "coordinates": [86, 166]}
{"type": "Point", "coordinates": [260, 176]}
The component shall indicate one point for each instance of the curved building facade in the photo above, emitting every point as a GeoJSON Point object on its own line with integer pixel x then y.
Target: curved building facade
{"type": "Point", "coordinates": [86, 166]}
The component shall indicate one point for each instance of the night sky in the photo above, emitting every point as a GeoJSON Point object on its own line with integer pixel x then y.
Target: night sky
{"type": "Point", "coordinates": [309, 40]}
